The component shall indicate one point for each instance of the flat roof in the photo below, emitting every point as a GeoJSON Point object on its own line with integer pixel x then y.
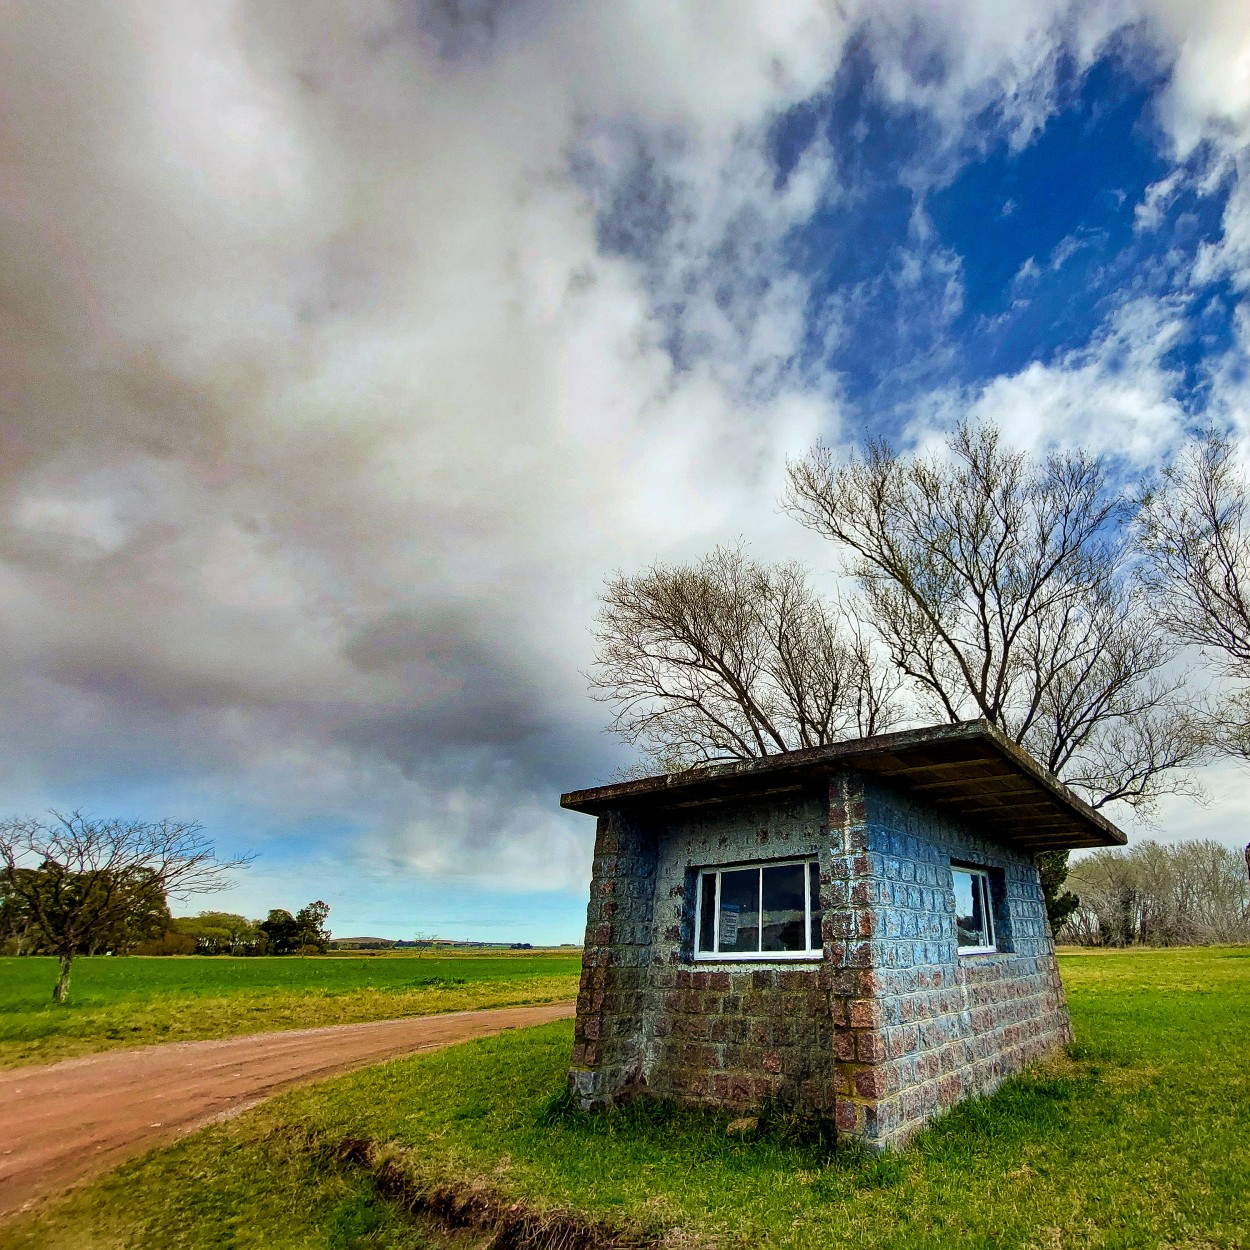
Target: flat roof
{"type": "Point", "coordinates": [970, 770]}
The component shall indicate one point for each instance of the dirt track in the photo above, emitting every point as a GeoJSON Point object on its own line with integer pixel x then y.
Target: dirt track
{"type": "Point", "coordinates": [63, 1123]}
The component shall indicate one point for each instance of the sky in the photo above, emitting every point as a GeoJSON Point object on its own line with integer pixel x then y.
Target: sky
{"type": "Point", "coordinates": [346, 349]}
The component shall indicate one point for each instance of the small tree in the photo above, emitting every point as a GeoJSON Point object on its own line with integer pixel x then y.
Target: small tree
{"type": "Point", "coordinates": [1060, 902]}
{"type": "Point", "coordinates": [281, 931]}
{"type": "Point", "coordinates": [310, 923]}
{"type": "Point", "coordinates": [88, 884]}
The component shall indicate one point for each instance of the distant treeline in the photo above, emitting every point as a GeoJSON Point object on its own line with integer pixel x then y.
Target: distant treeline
{"type": "Point", "coordinates": [151, 930]}
{"type": "Point", "coordinates": [1184, 894]}
{"type": "Point", "coordinates": [224, 933]}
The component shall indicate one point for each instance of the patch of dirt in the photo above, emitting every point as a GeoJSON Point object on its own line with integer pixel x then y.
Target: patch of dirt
{"type": "Point", "coordinates": [64, 1123]}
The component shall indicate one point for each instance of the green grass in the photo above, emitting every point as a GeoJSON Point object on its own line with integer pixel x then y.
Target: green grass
{"type": "Point", "coordinates": [133, 1001]}
{"type": "Point", "coordinates": [1142, 1139]}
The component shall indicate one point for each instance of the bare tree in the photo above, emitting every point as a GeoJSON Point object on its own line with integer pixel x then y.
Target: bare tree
{"type": "Point", "coordinates": [999, 584]}
{"type": "Point", "coordinates": [79, 879]}
{"type": "Point", "coordinates": [1195, 533]}
{"type": "Point", "coordinates": [730, 658]}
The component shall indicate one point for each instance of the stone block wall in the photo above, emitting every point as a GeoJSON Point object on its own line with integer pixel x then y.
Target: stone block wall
{"type": "Point", "coordinates": [922, 1027]}
{"type": "Point", "coordinates": [888, 1028]}
{"type": "Point", "coordinates": [736, 1036]}
{"type": "Point", "coordinates": [613, 1004]}
{"type": "Point", "coordinates": [732, 1032]}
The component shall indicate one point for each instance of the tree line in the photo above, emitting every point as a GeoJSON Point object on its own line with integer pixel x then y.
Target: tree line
{"type": "Point", "coordinates": [1186, 894]}
{"type": "Point", "coordinates": [225, 933]}
{"type": "Point", "coordinates": [1041, 593]}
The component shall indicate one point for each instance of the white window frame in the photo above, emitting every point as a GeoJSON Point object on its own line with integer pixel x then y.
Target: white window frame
{"type": "Point", "coordinates": [716, 956]}
{"type": "Point", "coordinates": [987, 908]}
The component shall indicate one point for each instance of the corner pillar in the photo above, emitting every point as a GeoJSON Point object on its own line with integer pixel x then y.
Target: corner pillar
{"type": "Point", "coordinates": [853, 956]}
{"type": "Point", "coordinates": [607, 1045]}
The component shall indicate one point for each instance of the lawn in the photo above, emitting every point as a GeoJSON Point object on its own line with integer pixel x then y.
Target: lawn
{"type": "Point", "coordinates": [1140, 1139]}
{"type": "Point", "coordinates": [133, 1001]}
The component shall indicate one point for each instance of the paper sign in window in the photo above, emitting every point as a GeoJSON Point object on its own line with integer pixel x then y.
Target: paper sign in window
{"type": "Point", "coordinates": [740, 899]}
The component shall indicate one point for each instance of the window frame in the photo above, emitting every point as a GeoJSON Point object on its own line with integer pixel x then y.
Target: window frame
{"type": "Point", "coordinates": [986, 888]}
{"type": "Point", "coordinates": [811, 865]}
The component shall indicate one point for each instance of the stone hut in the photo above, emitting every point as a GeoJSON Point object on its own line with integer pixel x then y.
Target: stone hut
{"type": "Point", "coordinates": [857, 929]}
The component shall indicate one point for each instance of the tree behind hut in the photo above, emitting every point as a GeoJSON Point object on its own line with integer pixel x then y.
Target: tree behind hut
{"type": "Point", "coordinates": [1001, 585]}
{"type": "Point", "coordinates": [1194, 530]}
{"type": "Point", "coordinates": [733, 658]}
{"type": "Point", "coordinates": [84, 884]}
{"type": "Point", "coordinates": [995, 584]}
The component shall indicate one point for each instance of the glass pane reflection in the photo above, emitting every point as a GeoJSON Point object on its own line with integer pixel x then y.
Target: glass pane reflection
{"type": "Point", "coordinates": [740, 911]}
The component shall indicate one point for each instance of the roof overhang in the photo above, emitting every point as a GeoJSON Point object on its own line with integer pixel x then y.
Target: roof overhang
{"type": "Point", "coordinates": [968, 770]}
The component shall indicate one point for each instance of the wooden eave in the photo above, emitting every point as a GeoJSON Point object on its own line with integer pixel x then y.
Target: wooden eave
{"type": "Point", "coordinates": [968, 770]}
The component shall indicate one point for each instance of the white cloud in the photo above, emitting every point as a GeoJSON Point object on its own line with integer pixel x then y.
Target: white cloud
{"type": "Point", "coordinates": [1115, 398]}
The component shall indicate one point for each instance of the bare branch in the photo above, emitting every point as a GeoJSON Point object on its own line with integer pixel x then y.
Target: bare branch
{"type": "Point", "coordinates": [1195, 532]}
{"type": "Point", "coordinates": [79, 879]}
{"type": "Point", "coordinates": [1000, 588]}
{"type": "Point", "coordinates": [729, 658]}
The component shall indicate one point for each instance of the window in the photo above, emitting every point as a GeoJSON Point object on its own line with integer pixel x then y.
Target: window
{"type": "Point", "coordinates": [974, 911]}
{"type": "Point", "coordinates": [767, 911]}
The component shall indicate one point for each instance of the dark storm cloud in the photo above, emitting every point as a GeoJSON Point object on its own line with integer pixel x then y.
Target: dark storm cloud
{"type": "Point", "coordinates": [323, 410]}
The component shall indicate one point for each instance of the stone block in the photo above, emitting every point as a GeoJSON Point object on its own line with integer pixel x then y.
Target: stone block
{"type": "Point", "coordinates": [863, 1013]}
{"type": "Point", "coordinates": [870, 1083]}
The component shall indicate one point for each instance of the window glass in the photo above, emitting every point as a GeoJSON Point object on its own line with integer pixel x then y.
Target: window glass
{"type": "Point", "coordinates": [784, 911]}
{"type": "Point", "coordinates": [740, 910]}
{"type": "Point", "coordinates": [973, 926]}
{"type": "Point", "coordinates": [707, 912]}
{"type": "Point", "coordinates": [769, 909]}
{"type": "Point", "coordinates": [813, 872]}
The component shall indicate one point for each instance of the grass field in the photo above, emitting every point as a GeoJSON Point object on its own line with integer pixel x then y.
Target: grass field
{"type": "Point", "coordinates": [1142, 1139]}
{"type": "Point", "coordinates": [134, 1001]}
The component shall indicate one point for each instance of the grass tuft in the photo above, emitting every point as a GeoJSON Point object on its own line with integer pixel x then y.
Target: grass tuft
{"type": "Point", "coordinates": [560, 1107]}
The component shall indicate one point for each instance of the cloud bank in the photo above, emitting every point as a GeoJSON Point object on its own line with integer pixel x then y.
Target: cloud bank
{"type": "Point", "coordinates": [344, 350]}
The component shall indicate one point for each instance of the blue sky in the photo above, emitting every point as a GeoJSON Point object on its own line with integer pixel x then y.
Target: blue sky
{"type": "Point", "coordinates": [345, 353]}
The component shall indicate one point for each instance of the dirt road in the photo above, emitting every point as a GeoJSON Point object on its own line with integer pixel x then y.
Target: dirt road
{"type": "Point", "coordinates": [63, 1123]}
